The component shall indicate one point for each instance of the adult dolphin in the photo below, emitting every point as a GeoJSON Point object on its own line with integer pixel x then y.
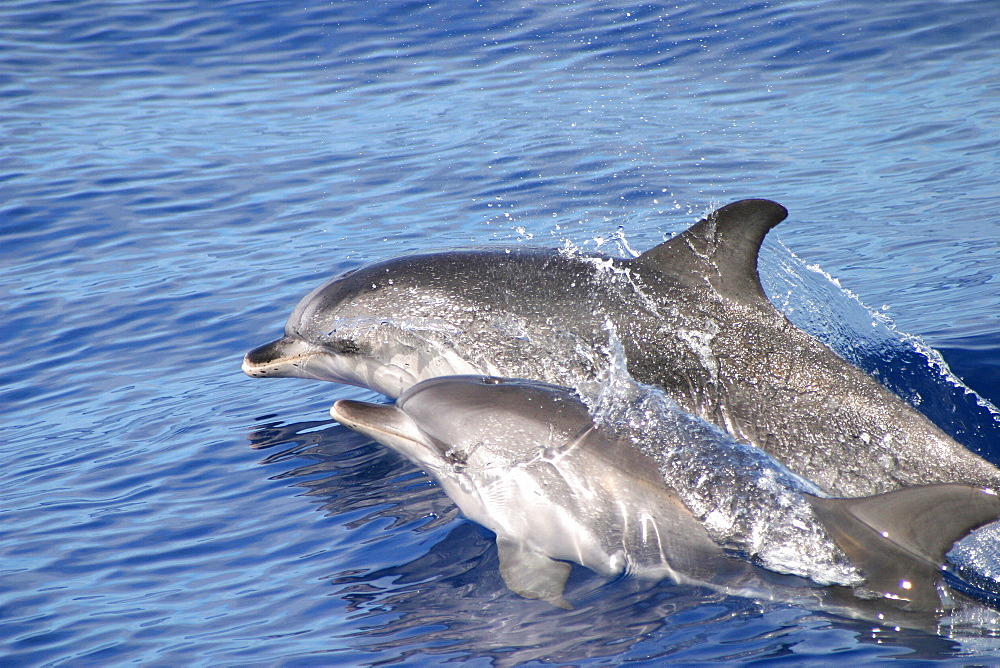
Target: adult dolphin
{"type": "Point", "coordinates": [690, 316]}
{"type": "Point", "coordinates": [527, 461]}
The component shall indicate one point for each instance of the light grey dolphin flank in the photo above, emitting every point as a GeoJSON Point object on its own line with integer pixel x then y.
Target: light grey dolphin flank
{"type": "Point", "coordinates": [690, 315]}
{"type": "Point", "coordinates": [525, 460]}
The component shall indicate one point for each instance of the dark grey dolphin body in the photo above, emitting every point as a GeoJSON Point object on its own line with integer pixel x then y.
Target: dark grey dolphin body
{"type": "Point", "coordinates": [690, 316]}
{"type": "Point", "coordinates": [527, 461]}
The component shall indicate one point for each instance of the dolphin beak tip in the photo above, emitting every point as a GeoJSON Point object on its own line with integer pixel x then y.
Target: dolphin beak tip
{"type": "Point", "coordinates": [249, 369]}
{"type": "Point", "coordinates": [342, 412]}
{"type": "Point", "coordinates": [279, 358]}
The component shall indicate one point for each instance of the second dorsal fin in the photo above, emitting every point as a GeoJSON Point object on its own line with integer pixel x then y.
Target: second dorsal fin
{"type": "Point", "coordinates": [722, 249]}
{"type": "Point", "coordinates": [899, 539]}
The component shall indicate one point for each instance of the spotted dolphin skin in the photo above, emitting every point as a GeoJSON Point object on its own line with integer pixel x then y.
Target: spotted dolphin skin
{"type": "Point", "coordinates": [690, 315]}
{"type": "Point", "coordinates": [527, 461]}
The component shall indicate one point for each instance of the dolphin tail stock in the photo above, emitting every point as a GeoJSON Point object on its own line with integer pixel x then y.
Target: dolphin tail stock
{"type": "Point", "coordinates": [899, 539]}
{"type": "Point", "coordinates": [724, 247]}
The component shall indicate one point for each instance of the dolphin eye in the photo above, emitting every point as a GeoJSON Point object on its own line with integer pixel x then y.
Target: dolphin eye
{"type": "Point", "coordinates": [457, 457]}
{"type": "Point", "coordinates": [343, 346]}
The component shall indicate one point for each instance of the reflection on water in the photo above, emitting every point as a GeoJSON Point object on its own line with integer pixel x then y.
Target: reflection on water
{"type": "Point", "coordinates": [348, 474]}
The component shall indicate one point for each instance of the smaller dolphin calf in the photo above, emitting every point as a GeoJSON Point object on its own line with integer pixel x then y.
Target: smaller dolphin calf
{"type": "Point", "coordinates": [526, 460]}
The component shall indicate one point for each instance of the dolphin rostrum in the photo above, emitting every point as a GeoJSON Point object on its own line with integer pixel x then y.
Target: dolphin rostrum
{"type": "Point", "coordinates": [527, 461]}
{"type": "Point", "coordinates": [690, 315]}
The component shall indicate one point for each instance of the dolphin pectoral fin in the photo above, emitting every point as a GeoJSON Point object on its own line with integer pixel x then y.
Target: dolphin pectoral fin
{"type": "Point", "coordinates": [722, 247]}
{"type": "Point", "coordinates": [899, 540]}
{"type": "Point", "coordinates": [531, 574]}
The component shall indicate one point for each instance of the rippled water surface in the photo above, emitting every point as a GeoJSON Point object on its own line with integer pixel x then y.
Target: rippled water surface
{"type": "Point", "coordinates": [175, 175]}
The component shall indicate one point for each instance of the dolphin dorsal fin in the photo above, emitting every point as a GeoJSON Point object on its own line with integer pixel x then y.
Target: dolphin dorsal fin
{"type": "Point", "coordinates": [899, 539]}
{"type": "Point", "coordinates": [722, 247]}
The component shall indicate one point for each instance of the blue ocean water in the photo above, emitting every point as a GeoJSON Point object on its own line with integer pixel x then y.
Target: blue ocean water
{"type": "Point", "coordinates": [175, 175]}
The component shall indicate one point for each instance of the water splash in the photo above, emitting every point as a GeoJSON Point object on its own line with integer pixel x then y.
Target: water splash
{"type": "Point", "coordinates": [749, 501]}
